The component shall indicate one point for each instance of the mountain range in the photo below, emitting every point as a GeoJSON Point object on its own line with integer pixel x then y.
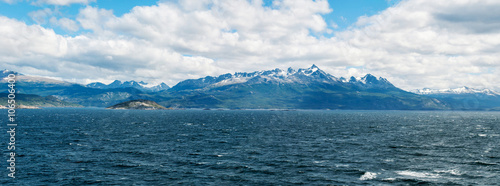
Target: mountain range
{"type": "Point", "coordinates": [461, 90]}
{"type": "Point", "coordinates": [465, 98]}
{"type": "Point", "coordinates": [308, 88]}
{"type": "Point", "coordinates": [309, 76]}
{"type": "Point", "coordinates": [143, 86]}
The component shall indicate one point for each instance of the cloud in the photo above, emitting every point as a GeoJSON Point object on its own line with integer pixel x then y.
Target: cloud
{"type": "Point", "coordinates": [225, 32]}
{"type": "Point", "coordinates": [415, 43]}
{"type": "Point", "coordinates": [40, 16]}
{"type": "Point", "coordinates": [65, 23]}
{"type": "Point", "coordinates": [95, 19]}
{"type": "Point", "coordinates": [51, 2]}
{"type": "Point", "coordinates": [9, 1]}
{"type": "Point", "coordinates": [63, 2]}
{"type": "Point", "coordinates": [47, 15]}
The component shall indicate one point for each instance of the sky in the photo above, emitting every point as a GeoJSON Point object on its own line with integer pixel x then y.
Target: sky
{"type": "Point", "coordinates": [413, 43]}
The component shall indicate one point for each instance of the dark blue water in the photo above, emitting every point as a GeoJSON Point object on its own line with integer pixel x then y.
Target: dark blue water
{"type": "Point", "coordinates": [120, 147]}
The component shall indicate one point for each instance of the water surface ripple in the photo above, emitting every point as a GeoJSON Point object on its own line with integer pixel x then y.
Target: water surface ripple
{"type": "Point", "coordinates": [255, 147]}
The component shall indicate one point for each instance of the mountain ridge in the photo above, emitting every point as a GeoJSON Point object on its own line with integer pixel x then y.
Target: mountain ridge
{"type": "Point", "coordinates": [465, 98]}
{"type": "Point", "coordinates": [304, 88]}
{"type": "Point", "coordinates": [143, 86]}
{"type": "Point", "coordinates": [305, 76]}
{"type": "Point", "coordinates": [309, 88]}
{"type": "Point", "coordinates": [461, 90]}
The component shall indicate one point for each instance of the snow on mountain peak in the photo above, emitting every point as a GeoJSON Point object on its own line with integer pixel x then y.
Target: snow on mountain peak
{"type": "Point", "coordinates": [309, 71]}
{"type": "Point", "coordinates": [139, 85]}
{"type": "Point", "coordinates": [367, 79]}
{"type": "Point", "coordinates": [149, 85]}
{"type": "Point", "coordinates": [461, 90]}
{"type": "Point", "coordinates": [314, 67]}
{"type": "Point", "coordinates": [309, 75]}
{"type": "Point", "coordinates": [275, 75]}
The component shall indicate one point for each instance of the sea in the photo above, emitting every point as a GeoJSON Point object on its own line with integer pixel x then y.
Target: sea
{"type": "Point", "coordinates": [80, 146]}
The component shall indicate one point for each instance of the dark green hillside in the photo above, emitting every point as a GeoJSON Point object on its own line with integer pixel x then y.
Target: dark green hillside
{"type": "Point", "coordinates": [297, 96]}
{"type": "Point", "coordinates": [138, 105]}
{"type": "Point", "coordinates": [38, 101]}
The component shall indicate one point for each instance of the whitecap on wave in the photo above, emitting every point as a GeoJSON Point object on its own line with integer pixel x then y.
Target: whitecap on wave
{"type": "Point", "coordinates": [368, 176]}
{"type": "Point", "coordinates": [452, 171]}
{"type": "Point", "coordinates": [418, 174]}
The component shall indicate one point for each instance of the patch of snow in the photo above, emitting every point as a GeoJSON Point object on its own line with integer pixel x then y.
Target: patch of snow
{"type": "Point", "coordinates": [277, 75]}
{"type": "Point", "coordinates": [361, 80]}
{"type": "Point", "coordinates": [461, 90]}
{"type": "Point", "coordinates": [40, 79]}
{"type": "Point", "coordinates": [148, 85]}
{"type": "Point", "coordinates": [231, 81]}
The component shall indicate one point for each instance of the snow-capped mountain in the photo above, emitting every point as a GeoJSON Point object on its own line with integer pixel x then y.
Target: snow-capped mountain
{"type": "Point", "coordinates": [461, 90]}
{"type": "Point", "coordinates": [465, 98]}
{"type": "Point", "coordinates": [309, 88]}
{"type": "Point", "coordinates": [22, 78]}
{"type": "Point", "coordinates": [306, 76]}
{"type": "Point", "coordinates": [138, 85]}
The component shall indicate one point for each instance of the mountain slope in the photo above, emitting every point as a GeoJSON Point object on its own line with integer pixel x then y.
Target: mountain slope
{"type": "Point", "coordinates": [309, 88]}
{"type": "Point", "coordinates": [37, 101]}
{"type": "Point", "coordinates": [464, 98]}
{"type": "Point", "coordinates": [312, 75]}
{"type": "Point", "coordinates": [145, 87]}
{"type": "Point", "coordinates": [72, 92]}
{"type": "Point", "coordinates": [461, 90]}
{"type": "Point", "coordinates": [138, 105]}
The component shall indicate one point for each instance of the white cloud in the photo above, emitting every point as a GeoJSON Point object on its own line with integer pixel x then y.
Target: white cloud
{"type": "Point", "coordinates": [63, 2]}
{"type": "Point", "coordinates": [229, 31]}
{"type": "Point", "coordinates": [65, 23]}
{"type": "Point", "coordinates": [9, 1]}
{"type": "Point", "coordinates": [20, 41]}
{"type": "Point", "coordinates": [415, 44]}
{"type": "Point", "coordinates": [95, 19]}
{"type": "Point", "coordinates": [51, 2]}
{"type": "Point", "coordinates": [40, 16]}
{"type": "Point", "coordinates": [333, 24]}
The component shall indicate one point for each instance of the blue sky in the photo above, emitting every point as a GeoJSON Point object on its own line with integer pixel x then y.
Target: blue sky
{"type": "Point", "coordinates": [345, 13]}
{"type": "Point", "coordinates": [20, 10]}
{"type": "Point", "coordinates": [412, 43]}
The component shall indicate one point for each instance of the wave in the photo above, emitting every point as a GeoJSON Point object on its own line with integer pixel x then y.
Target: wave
{"type": "Point", "coordinates": [452, 172]}
{"type": "Point", "coordinates": [368, 176]}
{"type": "Point", "coordinates": [481, 163]}
{"type": "Point", "coordinates": [418, 174]}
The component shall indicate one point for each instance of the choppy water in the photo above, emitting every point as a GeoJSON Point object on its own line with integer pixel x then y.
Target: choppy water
{"type": "Point", "coordinates": [97, 146]}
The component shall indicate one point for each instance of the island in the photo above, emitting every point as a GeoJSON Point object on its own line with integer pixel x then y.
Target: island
{"type": "Point", "coordinates": [139, 104]}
